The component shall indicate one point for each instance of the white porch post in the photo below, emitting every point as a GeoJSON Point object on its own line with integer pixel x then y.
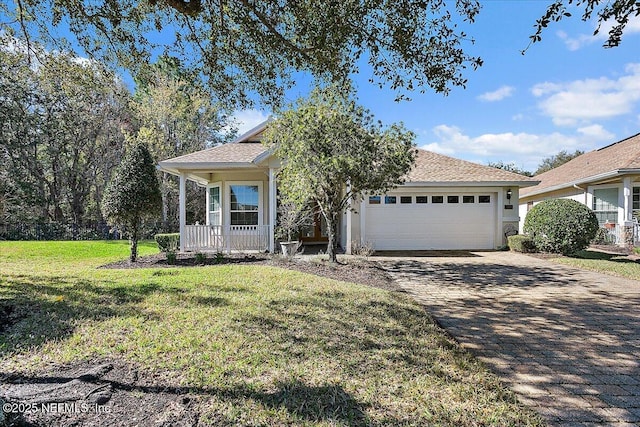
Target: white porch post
{"type": "Point", "coordinates": [273, 203]}
{"type": "Point", "coordinates": [627, 192]}
{"type": "Point", "coordinates": [183, 211]}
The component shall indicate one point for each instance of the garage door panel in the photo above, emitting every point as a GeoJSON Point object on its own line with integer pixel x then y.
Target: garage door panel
{"type": "Point", "coordinates": [431, 226]}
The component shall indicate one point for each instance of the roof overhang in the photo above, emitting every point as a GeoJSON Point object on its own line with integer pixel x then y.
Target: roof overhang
{"type": "Point", "coordinates": [587, 180]}
{"type": "Point", "coordinates": [190, 170]}
{"type": "Point", "coordinates": [253, 132]}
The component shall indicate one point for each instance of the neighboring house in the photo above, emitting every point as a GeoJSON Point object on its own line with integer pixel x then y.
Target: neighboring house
{"type": "Point", "coordinates": [446, 203]}
{"type": "Point", "coordinates": [603, 179]}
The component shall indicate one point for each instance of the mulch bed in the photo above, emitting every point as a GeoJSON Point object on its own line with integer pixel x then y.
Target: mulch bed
{"type": "Point", "coordinates": [357, 270]}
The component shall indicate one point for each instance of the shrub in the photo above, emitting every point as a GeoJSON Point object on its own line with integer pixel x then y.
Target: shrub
{"type": "Point", "coordinates": [201, 257]}
{"type": "Point", "coordinates": [521, 243]}
{"type": "Point", "coordinates": [171, 257]}
{"type": "Point", "coordinates": [603, 237]}
{"type": "Point", "coordinates": [169, 242]}
{"type": "Point", "coordinates": [561, 226]}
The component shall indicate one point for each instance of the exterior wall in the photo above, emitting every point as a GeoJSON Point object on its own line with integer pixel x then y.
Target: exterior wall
{"type": "Point", "coordinates": [584, 195]}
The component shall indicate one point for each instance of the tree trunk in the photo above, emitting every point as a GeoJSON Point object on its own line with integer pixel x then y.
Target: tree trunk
{"type": "Point", "coordinates": [332, 245]}
{"type": "Point", "coordinates": [134, 244]}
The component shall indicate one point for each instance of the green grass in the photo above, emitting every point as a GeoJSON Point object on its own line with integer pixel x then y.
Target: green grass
{"type": "Point", "coordinates": [616, 265]}
{"type": "Point", "coordinates": [258, 345]}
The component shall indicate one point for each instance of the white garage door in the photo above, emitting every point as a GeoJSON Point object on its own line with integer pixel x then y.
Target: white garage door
{"type": "Point", "coordinates": [431, 221]}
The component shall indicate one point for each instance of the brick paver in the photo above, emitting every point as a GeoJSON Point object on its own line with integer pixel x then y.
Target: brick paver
{"type": "Point", "coordinates": [567, 341]}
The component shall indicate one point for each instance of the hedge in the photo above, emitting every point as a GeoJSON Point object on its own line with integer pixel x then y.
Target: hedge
{"type": "Point", "coordinates": [521, 243]}
{"type": "Point", "coordinates": [169, 242]}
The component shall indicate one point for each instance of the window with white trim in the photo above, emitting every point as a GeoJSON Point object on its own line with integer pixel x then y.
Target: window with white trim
{"type": "Point", "coordinates": [215, 206]}
{"type": "Point", "coordinates": [244, 204]}
{"type": "Point", "coordinates": [605, 204]}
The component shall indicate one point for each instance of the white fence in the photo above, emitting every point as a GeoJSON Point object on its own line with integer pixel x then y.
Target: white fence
{"type": "Point", "coordinates": [226, 238]}
{"type": "Point", "coordinates": [614, 234]}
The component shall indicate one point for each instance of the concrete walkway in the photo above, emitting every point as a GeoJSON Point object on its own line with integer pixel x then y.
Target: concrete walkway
{"type": "Point", "coordinates": [567, 341]}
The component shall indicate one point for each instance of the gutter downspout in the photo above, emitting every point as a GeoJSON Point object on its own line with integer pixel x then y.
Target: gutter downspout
{"type": "Point", "coordinates": [585, 193]}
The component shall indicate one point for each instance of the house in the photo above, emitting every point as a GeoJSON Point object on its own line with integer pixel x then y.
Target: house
{"type": "Point", "coordinates": [446, 203]}
{"type": "Point", "coordinates": [607, 180]}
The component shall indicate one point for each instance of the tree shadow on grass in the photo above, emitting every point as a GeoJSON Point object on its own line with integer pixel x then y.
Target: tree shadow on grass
{"type": "Point", "coordinates": [302, 402]}
{"type": "Point", "coordinates": [604, 256]}
{"type": "Point", "coordinates": [37, 309]}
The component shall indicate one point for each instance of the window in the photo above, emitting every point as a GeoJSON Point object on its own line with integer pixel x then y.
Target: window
{"type": "Point", "coordinates": [389, 200]}
{"type": "Point", "coordinates": [244, 204]}
{"type": "Point", "coordinates": [484, 199]}
{"type": "Point", "coordinates": [636, 198]}
{"type": "Point", "coordinates": [437, 199]}
{"type": "Point", "coordinates": [214, 206]}
{"type": "Point", "coordinates": [453, 199]}
{"type": "Point", "coordinates": [405, 199]}
{"type": "Point", "coordinates": [374, 200]}
{"type": "Point", "coordinates": [605, 204]}
{"type": "Point", "coordinates": [468, 199]}
{"type": "Point", "coordinates": [421, 199]}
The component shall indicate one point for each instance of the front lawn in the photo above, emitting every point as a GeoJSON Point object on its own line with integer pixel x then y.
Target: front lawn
{"type": "Point", "coordinates": [618, 265]}
{"type": "Point", "coordinates": [237, 344]}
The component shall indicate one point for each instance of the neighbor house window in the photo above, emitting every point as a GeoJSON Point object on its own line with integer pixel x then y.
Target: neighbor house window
{"type": "Point", "coordinates": [437, 199]}
{"type": "Point", "coordinates": [421, 199]}
{"type": "Point", "coordinates": [405, 199]}
{"type": "Point", "coordinates": [244, 204]}
{"type": "Point", "coordinates": [214, 206]}
{"type": "Point", "coordinates": [374, 200]}
{"type": "Point", "coordinates": [453, 199]}
{"type": "Point", "coordinates": [390, 200]}
{"type": "Point", "coordinates": [636, 198]}
{"type": "Point", "coordinates": [484, 199]}
{"type": "Point", "coordinates": [468, 199]}
{"type": "Point", "coordinates": [605, 204]}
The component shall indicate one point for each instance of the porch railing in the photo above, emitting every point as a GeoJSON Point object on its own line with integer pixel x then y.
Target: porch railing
{"type": "Point", "coordinates": [227, 238]}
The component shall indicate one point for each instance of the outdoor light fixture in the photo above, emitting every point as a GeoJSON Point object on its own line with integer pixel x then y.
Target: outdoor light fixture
{"type": "Point", "coordinates": [509, 194]}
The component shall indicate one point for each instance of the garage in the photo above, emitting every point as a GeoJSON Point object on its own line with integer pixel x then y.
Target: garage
{"type": "Point", "coordinates": [423, 221]}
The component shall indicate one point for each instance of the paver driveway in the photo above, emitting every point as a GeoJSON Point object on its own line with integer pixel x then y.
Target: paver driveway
{"type": "Point", "coordinates": [567, 341]}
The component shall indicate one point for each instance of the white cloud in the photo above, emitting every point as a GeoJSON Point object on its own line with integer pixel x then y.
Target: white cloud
{"type": "Point", "coordinates": [581, 40]}
{"type": "Point", "coordinates": [526, 150]}
{"type": "Point", "coordinates": [581, 101]}
{"type": "Point", "coordinates": [498, 94]}
{"type": "Point", "coordinates": [517, 117]}
{"type": "Point", "coordinates": [246, 120]}
{"type": "Point", "coordinates": [596, 133]}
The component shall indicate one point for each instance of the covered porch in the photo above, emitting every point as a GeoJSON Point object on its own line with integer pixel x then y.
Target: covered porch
{"type": "Point", "coordinates": [240, 182]}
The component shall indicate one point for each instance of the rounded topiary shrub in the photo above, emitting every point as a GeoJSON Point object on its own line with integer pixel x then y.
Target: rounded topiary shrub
{"type": "Point", "coordinates": [561, 226]}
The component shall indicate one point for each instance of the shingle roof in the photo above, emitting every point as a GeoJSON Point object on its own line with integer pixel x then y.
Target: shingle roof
{"type": "Point", "coordinates": [429, 166]}
{"type": "Point", "coordinates": [623, 154]}
{"type": "Point", "coordinates": [245, 152]}
{"type": "Point", "coordinates": [433, 167]}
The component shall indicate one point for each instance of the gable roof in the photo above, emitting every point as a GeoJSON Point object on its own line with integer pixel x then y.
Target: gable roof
{"type": "Point", "coordinates": [430, 168]}
{"type": "Point", "coordinates": [231, 155]}
{"type": "Point", "coordinates": [436, 168]}
{"type": "Point", "coordinates": [615, 159]}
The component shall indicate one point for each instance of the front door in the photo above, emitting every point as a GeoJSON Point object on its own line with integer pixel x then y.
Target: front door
{"type": "Point", "coordinates": [317, 233]}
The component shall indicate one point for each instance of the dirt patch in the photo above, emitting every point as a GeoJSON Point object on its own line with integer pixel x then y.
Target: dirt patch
{"type": "Point", "coordinates": [359, 270]}
{"type": "Point", "coordinates": [95, 393]}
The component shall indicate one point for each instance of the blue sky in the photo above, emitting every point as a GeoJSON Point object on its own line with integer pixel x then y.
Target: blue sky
{"type": "Point", "coordinates": [566, 93]}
